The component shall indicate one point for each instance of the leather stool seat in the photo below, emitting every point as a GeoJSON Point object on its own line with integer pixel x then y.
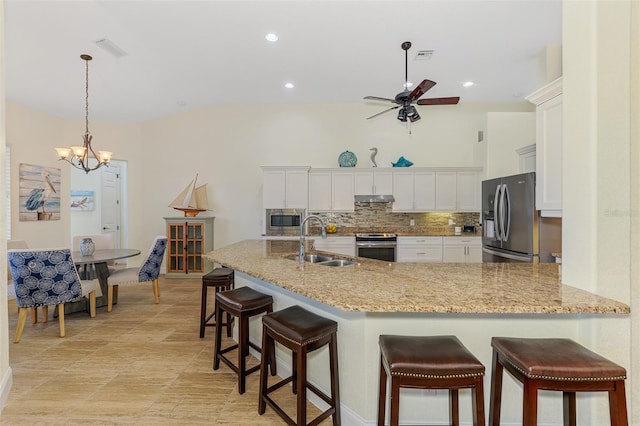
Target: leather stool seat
{"type": "Point", "coordinates": [220, 279]}
{"type": "Point", "coordinates": [429, 362]}
{"type": "Point", "coordinates": [244, 303]}
{"type": "Point", "coordinates": [302, 332]}
{"type": "Point", "coordinates": [555, 364]}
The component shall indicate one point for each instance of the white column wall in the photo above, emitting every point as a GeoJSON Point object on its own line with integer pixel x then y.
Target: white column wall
{"type": "Point", "coordinates": [597, 169]}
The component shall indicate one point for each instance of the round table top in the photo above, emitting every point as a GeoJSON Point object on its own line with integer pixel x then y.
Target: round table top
{"type": "Point", "coordinates": [102, 256]}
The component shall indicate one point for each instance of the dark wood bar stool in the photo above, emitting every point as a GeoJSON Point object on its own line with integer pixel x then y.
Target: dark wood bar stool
{"type": "Point", "coordinates": [557, 365]}
{"type": "Point", "coordinates": [302, 332]}
{"type": "Point", "coordinates": [220, 279]}
{"type": "Point", "coordinates": [429, 362]}
{"type": "Point", "coordinates": [243, 303]}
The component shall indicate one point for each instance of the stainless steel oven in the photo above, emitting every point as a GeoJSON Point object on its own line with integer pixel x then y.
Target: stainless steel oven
{"type": "Point", "coordinates": [284, 221]}
{"type": "Point", "coordinates": [377, 246]}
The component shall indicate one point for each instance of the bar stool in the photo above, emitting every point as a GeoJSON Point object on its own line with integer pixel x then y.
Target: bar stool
{"type": "Point", "coordinates": [302, 332]}
{"type": "Point", "coordinates": [429, 362]}
{"type": "Point", "coordinates": [220, 279]}
{"type": "Point", "coordinates": [243, 303]}
{"type": "Point", "coordinates": [558, 365]}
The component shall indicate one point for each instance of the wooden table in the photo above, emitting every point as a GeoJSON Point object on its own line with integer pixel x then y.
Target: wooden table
{"type": "Point", "coordinates": [95, 266]}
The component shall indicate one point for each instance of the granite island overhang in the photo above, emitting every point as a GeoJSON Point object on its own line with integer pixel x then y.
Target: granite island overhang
{"type": "Point", "coordinates": [471, 301]}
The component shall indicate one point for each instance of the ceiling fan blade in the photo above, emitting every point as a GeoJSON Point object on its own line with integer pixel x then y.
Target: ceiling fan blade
{"type": "Point", "coordinates": [376, 98]}
{"type": "Point", "coordinates": [380, 113]}
{"type": "Point", "coordinates": [439, 101]}
{"type": "Point", "coordinates": [421, 89]}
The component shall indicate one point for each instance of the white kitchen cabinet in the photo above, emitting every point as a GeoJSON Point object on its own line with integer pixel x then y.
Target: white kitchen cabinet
{"type": "Point", "coordinates": [548, 101]}
{"type": "Point", "coordinates": [284, 187]}
{"type": "Point", "coordinates": [468, 191]}
{"type": "Point", "coordinates": [446, 191]}
{"type": "Point", "coordinates": [419, 249]}
{"type": "Point", "coordinates": [462, 249]}
{"type": "Point", "coordinates": [338, 245]}
{"type": "Point", "coordinates": [331, 190]}
{"type": "Point", "coordinates": [414, 190]}
{"type": "Point", "coordinates": [376, 182]}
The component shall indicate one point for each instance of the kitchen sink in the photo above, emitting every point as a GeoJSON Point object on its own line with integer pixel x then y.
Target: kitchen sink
{"type": "Point", "coordinates": [338, 262]}
{"type": "Point", "coordinates": [323, 260]}
{"type": "Point", "coordinates": [311, 258]}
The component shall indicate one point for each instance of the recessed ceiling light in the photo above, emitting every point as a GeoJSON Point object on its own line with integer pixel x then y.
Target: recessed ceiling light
{"type": "Point", "coordinates": [271, 37]}
{"type": "Point", "coordinates": [468, 84]}
{"type": "Point", "coordinates": [289, 85]}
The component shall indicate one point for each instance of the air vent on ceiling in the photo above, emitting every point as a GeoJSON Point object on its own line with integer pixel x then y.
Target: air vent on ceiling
{"type": "Point", "coordinates": [111, 47]}
{"type": "Point", "coordinates": [424, 55]}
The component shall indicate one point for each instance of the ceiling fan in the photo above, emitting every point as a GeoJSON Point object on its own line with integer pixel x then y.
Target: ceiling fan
{"type": "Point", "coordinates": [405, 100]}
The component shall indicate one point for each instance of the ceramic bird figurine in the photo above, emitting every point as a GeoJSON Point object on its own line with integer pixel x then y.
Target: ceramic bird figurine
{"type": "Point", "coordinates": [374, 152]}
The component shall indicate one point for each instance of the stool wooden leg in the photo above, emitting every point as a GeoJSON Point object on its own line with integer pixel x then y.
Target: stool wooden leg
{"type": "Point", "coordinates": [382, 394]}
{"type": "Point", "coordinates": [618, 405]}
{"type": "Point", "coordinates": [477, 394]}
{"type": "Point", "coordinates": [294, 372]}
{"type": "Point", "coordinates": [301, 387]}
{"type": "Point", "coordinates": [394, 420]}
{"type": "Point", "coordinates": [569, 408]}
{"type": "Point", "coordinates": [496, 391]}
{"type": "Point", "coordinates": [216, 353]}
{"type": "Point", "coordinates": [229, 324]}
{"type": "Point", "coordinates": [529, 404]}
{"type": "Point", "coordinates": [453, 407]}
{"type": "Point", "coordinates": [335, 388]}
{"type": "Point", "coordinates": [264, 359]}
{"type": "Point", "coordinates": [243, 350]}
{"type": "Point", "coordinates": [203, 309]}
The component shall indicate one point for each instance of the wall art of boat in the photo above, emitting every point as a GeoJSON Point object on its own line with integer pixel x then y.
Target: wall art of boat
{"type": "Point", "coordinates": [192, 200]}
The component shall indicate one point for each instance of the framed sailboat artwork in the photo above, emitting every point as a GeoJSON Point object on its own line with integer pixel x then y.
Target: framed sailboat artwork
{"type": "Point", "coordinates": [192, 200]}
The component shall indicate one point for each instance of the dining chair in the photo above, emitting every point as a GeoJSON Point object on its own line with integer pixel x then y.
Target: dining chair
{"type": "Point", "coordinates": [44, 278]}
{"type": "Point", "coordinates": [149, 271]}
{"type": "Point", "coordinates": [11, 291]}
{"type": "Point", "coordinates": [101, 241]}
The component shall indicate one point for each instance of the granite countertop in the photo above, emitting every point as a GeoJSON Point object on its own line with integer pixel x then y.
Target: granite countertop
{"type": "Point", "coordinates": [377, 286]}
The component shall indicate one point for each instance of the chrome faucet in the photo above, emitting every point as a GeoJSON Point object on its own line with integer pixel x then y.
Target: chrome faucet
{"type": "Point", "coordinates": [324, 234]}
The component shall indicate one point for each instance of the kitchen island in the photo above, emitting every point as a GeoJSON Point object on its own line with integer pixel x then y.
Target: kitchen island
{"type": "Point", "coordinates": [471, 301]}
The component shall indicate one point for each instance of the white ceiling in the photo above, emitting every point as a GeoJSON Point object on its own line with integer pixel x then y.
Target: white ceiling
{"type": "Point", "coordinates": [187, 54]}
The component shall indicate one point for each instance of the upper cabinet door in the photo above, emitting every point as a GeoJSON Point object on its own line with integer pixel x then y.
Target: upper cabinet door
{"type": "Point", "coordinates": [403, 185]}
{"type": "Point", "coordinates": [319, 190]}
{"type": "Point", "coordinates": [446, 191]}
{"type": "Point", "coordinates": [468, 191]}
{"type": "Point", "coordinates": [364, 184]}
{"type": "Point", "coordinates": [297, 189]}
{"type": "Point", "coordinates": [274, 189]}
{"type": "Point", "coordinates": [342, 188]}
{"type": "Point", "coordinates": [383, 182]}
{"type": "Point", "coordinates": [374, 182]}
{"type": "Point", "coordinates": [425, 191]}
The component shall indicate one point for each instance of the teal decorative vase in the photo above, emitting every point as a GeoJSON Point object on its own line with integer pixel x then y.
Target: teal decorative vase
{"type": "Point", "coordinates": [87, 247]}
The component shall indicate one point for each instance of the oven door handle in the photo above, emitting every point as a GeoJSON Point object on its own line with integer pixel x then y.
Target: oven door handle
{"type": "Point", "coordinates": [376, 245]}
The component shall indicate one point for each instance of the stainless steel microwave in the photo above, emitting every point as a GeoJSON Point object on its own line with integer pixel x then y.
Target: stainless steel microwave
{"type": "Point", "coordinates": [284, 221]}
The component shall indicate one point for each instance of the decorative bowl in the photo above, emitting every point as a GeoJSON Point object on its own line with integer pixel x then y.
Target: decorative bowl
{"type": "Point", "coordinates": [347, 159]}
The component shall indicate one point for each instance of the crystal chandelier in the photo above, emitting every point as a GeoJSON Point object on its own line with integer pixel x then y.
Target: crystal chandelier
{"type": "Point", "coordinates": [78, 156]}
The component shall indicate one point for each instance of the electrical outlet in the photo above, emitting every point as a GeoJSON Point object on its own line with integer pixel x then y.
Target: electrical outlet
{"type": "Point", "coordinates": [412, 222]}
{"type": "Point", "coordinates": [451, 222]}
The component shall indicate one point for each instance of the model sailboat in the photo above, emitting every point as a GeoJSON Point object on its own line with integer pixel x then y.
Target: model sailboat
{"type": "Point", "coordinates": [192, 200]}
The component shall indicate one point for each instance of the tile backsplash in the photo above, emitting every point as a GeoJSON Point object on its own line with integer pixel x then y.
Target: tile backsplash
{"type": "Point", "coordinates": [379, 217]}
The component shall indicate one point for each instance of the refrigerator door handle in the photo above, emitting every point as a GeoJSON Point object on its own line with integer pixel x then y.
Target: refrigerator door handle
{"type": "Point", "coordinates": [502, 213]}
{"type": "Point", "coordinates": [507, 209]}
{"type": "Point", "coordinates": [496, 209]}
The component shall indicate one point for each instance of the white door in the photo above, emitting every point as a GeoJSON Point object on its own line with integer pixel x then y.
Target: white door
{"type": "Point", "coordinates": [110, 202]}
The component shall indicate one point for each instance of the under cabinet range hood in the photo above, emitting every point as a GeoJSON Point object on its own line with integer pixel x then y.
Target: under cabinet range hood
{"type": "Point", "coordinates": [374, 199]}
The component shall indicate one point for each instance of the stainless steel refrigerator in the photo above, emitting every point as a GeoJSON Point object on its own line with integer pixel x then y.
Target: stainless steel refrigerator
{"type": "Point", "coordinates": [513, 230]}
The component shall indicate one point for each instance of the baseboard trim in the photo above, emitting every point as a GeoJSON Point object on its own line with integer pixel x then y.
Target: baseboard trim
{"type": "Point", "coordinates": [5, 387]}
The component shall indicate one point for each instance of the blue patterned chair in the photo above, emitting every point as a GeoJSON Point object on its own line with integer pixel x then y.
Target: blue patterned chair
{"type": "Point", "coordinates": [149, 271]}
{"type": "Point", "coordinates": [44, 278]}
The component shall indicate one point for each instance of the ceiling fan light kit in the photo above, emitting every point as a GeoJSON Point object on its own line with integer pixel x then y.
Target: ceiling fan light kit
{"type": "Point", "coordinates": [406, 99]}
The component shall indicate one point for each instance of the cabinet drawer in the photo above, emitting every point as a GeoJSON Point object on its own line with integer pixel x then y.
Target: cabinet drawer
{"type": "Point", "coordinates": [402, 241]}
{"type": "Point", "coordinates": [462, 241]}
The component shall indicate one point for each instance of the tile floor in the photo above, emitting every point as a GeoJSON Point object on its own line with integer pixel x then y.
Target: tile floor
{"type": "Point", "coordinates": [140, 364]}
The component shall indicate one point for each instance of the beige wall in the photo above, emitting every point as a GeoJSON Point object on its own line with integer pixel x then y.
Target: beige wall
{"type": "Point", "coordinates": [505, 132]}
